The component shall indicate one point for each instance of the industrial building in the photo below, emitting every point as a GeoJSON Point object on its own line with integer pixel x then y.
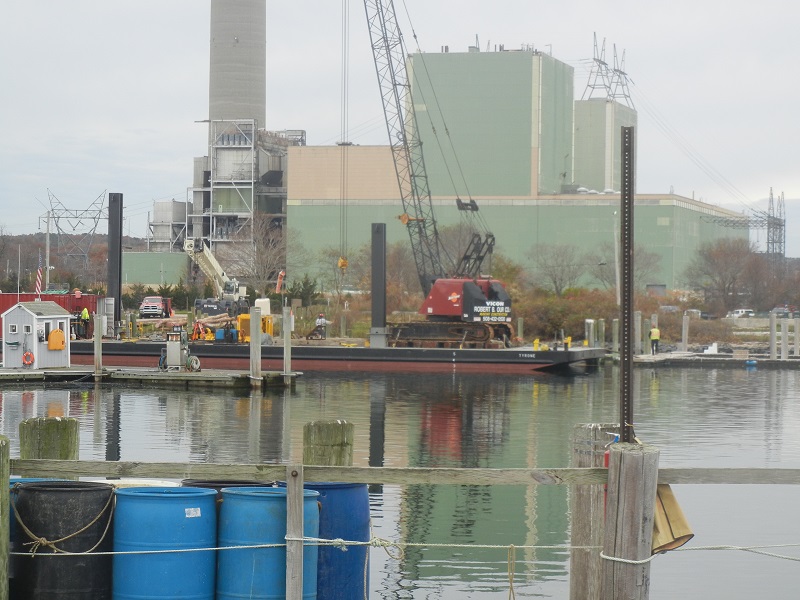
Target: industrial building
{"type": "Point", "coordinates": [542, 166]}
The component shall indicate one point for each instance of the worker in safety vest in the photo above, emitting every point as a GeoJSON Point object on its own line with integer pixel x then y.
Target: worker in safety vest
{"type": "Point", "coordinates": [85, 322]}
{"type": "Point", "coordinates": [655, 336]}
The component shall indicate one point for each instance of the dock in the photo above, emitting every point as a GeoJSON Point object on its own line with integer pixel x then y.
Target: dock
{"type": "Point", "coordinates": [151, 377]}
{"type": "Point", "coordinates": [715, 360]}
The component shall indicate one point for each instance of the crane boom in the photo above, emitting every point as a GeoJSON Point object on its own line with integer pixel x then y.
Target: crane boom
{"type": "Point", "coordinates": [231, 297]}
{"type": "Point", "coordinates": [389, 52]}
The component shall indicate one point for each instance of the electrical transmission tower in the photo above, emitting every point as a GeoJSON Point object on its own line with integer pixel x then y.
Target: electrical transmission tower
{"type": "Point", "coordinates": [75, 229]}
{"type": "Point", "coordinates": [610, 83]}
{"type": "Point", "coordinates": [774, 221]}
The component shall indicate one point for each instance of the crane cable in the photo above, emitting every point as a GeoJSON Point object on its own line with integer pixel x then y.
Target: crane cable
{"type": "Point", "coordinates": [472, 214]}
{"type": "Point", "coordinates": [344, 144]}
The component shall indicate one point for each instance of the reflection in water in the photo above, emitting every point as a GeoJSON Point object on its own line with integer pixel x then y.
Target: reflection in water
{"type": "Point", "coordinates": [697, 418]}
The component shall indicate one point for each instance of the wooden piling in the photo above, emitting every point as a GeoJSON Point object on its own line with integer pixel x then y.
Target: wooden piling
{"type": "Point", "coordinates": [98, 346]}
{"type": "Point", "coordinates": [328, 443]}
{"type": "Point", "coordinates": [255, 347]}
{"type": "Point", "coordinates": [4, 519]}
{"type": "Point", "coordinates": [630, 508]}
{"type": "Point", "coordinates": [55, 438]}
{"type": "Point", "coordinates": [294, 532]}
{"type": "Point", "coordinates": [685, 334]}
{"type": "Point", "coordinates": [587, 503]}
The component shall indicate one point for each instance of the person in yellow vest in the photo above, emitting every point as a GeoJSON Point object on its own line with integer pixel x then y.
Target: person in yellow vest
{"type": "Point", "coordinates": [655, 335]}
{"type": "Point", "coordinates": [85, 322]}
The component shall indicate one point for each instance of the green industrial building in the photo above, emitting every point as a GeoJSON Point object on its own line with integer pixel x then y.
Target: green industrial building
{"type": "Point", "coordinates": [542, 167]}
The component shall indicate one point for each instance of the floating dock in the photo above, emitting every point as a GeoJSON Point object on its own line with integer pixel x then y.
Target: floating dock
{"type": "Point", "coordinates": [144, 377]}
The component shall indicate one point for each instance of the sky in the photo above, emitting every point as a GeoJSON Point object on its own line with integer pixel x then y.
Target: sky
{"type": "Point", "coordinates": [102, 96]}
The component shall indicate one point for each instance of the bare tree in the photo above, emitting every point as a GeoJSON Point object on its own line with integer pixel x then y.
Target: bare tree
{"type": "Point", "coordinates": [259, 259]}
{"type": "Point", "coordinates": [718, 269]}
{"type": "Point", "coordinates": [646, 265]}
{"type": "Point", "coordinates": [557, 267]}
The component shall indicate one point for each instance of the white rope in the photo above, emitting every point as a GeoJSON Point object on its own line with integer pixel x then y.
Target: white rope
{"type": "Point", "coordinates": [389, 545]}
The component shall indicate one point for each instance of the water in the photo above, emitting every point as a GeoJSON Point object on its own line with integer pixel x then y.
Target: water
{"type": "Point", "coordinates": [696, 417]}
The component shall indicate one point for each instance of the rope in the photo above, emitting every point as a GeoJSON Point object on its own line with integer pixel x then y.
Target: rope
{"type": "Point", "coordinates": [753, 549]}
{"type": "Point", "coordinates": [39, 541]}
{"type": "Point", "coordinates": [512, 568]}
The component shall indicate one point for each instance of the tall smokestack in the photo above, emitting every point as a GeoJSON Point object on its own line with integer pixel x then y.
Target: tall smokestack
{"type": "Point", "coordinates": [237, 86]}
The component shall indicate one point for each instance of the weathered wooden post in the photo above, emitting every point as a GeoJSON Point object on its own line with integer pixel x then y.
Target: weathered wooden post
{"type": "Point", "coordinates": [294, 532]}
{"type": "Point", "coordinates": [784, 339]}
{"type": "Point", "coordinates": [98, 346]}
{"type": "Point", "coordinates": [644, 337]}
{"type": "Point", "coordinates": [637, 332]}
{"type": "Point", "coordinates": [325, 443]}
{"type": "Point", "coordinates": [615, 335]}
{"type": "Point", "coordinates": [630, 508]}
{"type": "Point", "coordinates": [587, 504]}
{"type": "Point", "coordinates": [797, 336]}
{"type": "Point", "coordinates": [54, 438]}
{"type": "Point", "coordinates": [601, 333]}
{"type": "Point", "coordinates": [5, 507]}
{"type": "Point", "coordinates": [328, 443]}
{"type": "Point", "coordinates": [685, 334]}
{"type": "Point", "coordinates": [286, 332]}
{"type": "Point", "coordinates": [773, 350]}
{"type": "Point", "coordinates": [255, 347]}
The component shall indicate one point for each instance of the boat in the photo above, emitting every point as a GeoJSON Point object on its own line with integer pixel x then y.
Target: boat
{"type": "Point", "coordinates": [330, 356]}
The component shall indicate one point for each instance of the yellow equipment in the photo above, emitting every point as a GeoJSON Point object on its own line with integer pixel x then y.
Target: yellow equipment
{"type": "Point", "coordinates": [243, 326]}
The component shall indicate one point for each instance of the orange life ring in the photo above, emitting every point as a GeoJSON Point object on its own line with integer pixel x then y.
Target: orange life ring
{"type": "Point", "coordinates": [27, 358]}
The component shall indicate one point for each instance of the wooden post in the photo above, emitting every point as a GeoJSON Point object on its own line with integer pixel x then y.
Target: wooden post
{"type": "Point", "coordinates": [286, 332]}
{"type": "Point", "coordinates": [685, 334]}
{"type": "Point", "coordinates": [54, 438]}
{"type": "Point", "coordinates": [773, 324]}
{"type": "Point", "coordinates": [5, 506]}
{"type": "Point", "coordinates": [98, 345]}
{"type": "Point", "coordinates": [796, 336]}
{"type": "Point", "coordinates": [587, 503]}
{"type": "Point", "coordinates": [615, 335]}
{"type": "Point", "coordinates": [294, 531]}
{"type": "Point", "coordinates": [637, 332]}
{"type": "Point", "coordinates": [630, 508]}
{"type": "Point", "coordinates": [255, 347]}
{"type": "Point", "coordinates": [784, 339]}
{"type": "Point", "coordinates": [328, 443]}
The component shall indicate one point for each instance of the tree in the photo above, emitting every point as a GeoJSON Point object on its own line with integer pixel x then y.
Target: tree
{"type": "Point", "coordinates": [718, 269]}
{"type": "Point", "coordinates": [557, 267]}
{"type": "Point", "coordinates": [257, 259]}
{"type": "Point", "coordinates": [646, 265]}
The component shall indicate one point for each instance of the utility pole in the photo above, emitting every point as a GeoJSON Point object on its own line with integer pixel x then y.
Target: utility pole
{"type": "Point", "coordinates": [47, 255]}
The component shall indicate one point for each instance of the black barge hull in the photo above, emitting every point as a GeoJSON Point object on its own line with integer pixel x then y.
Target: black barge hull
{"type": "Point", "coordinates": [343, 358]}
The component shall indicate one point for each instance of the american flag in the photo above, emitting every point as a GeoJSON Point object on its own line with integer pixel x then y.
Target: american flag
{"type": "Point", "coordinates": [39, 276]}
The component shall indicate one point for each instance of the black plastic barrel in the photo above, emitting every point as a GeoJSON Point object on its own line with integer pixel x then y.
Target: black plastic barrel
{"type": "Point", "coordinates": [64, 516]}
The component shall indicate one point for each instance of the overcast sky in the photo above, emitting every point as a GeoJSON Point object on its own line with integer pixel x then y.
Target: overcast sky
{"type": "Point", "coordinates": [101, 96]}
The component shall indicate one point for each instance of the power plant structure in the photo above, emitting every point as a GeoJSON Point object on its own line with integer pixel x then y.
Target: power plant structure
{"type": "Point", "coordinates": [542, 166]}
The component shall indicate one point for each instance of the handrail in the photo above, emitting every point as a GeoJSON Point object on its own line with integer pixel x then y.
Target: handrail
{"type": "Point", "coordinates": [392, 475]}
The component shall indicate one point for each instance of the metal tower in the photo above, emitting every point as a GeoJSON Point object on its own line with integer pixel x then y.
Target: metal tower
{"type": "Point", "coordinates": [599, 75]}
{"type": "Point", "coordinates": [75, 229]}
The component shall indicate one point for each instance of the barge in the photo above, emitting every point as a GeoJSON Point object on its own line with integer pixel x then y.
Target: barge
{"type": "Point", "coordinates": [346, 357]}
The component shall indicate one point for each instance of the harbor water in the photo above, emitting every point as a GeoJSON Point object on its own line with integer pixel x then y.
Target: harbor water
{"type": "Point", "coordinates": [697, 417]}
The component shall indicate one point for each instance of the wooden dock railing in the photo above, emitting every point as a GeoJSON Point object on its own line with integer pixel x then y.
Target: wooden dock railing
{"type": "Point", "coordinates": [619, 579]}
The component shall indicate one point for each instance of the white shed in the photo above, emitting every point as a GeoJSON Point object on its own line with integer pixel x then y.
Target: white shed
{"type": "Point", "coordinates": [36, 335]}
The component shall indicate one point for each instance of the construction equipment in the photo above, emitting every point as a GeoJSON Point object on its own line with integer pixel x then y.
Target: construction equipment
{"type": "Point", "coordinates": [461, 306]}
{"type": "Point", "coordinates": [231, 297]}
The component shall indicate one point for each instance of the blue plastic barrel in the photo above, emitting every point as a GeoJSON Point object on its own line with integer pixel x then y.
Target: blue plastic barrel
{"type": "Point", "coordinates": [344, 514]}
{"type": "Point", "coordinates": [158, 519]}
{"type": "Point", "coordinates": [253, 516]}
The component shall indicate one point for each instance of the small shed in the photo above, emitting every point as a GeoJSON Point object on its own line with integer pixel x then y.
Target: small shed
{"type": "Point", "coordinates": [36, 335]}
